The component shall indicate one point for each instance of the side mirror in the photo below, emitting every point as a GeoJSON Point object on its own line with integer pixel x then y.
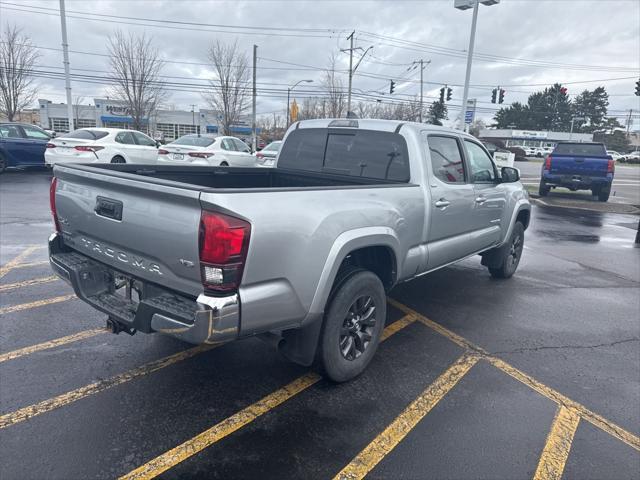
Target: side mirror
{"type": "Point", "coordinates": [509, 174]}
{"type": "Point", "coordinates": [158, 143]}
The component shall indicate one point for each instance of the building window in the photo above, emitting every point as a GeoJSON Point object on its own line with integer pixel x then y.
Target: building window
{"type": "Point", "coordinates": [59, 124]}
{"type": "Point", "coordinates": [168, 130]}
{"type": "Point", "coordinates": [85, 123]}
{"type": "Point", "coordinates": [187, 129]}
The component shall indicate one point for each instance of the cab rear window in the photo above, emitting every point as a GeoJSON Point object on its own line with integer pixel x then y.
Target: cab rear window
{"type": "Point", "coordinates": [357, 153]}
{"type": "Point", "coordinates": [581, 149]}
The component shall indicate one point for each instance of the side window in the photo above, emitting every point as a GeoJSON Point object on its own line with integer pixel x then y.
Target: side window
{"type": "Point", "coordinates": [446, 159]}
{"type": "Point", "coordinates": [10, 131]}
{"type": "Point", "coordinates": [35, 133]}
{"type": "Point", "coordinates": [143, 140]}
{"type": "Point", "coordinates": [125, 138]}
{"type": "Point", "coordinates": [228, 145]}
{"type": "Point", "coordinates": [480, 163]}
{"type": "Point", "coordinates": [241, 146]}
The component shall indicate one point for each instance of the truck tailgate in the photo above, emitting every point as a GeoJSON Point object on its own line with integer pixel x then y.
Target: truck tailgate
{"type": "Point", "coordinates": [576, 165]}
{"type": "Point", "coordinates": [149, 231]}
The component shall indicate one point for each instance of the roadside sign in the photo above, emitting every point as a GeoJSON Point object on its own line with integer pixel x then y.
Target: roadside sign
{"type": "Point", "coordinates": [470, 111]}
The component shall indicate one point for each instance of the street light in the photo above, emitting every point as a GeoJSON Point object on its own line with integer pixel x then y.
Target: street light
{"type": "Point", "coordinates": [573, 119]}
{"type": "Point", "coordinates": [464, 5]}
{"type": "Point", "coordinates": [289, 97]}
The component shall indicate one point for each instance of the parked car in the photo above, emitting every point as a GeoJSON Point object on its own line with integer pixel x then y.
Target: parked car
{"type": "Point", "coordinates": [101, 145]}
{"type": "Point", "coordinates": [22, 145]}
{"type": "Point", "coordinates": [207, 149]}
{"type": "Point", "coordinates": [267, 156]}
{"type": "Point", "coordinates": [303, 253]}
{"type": "Point", "coordinates": [633, 157]}
{"type": "Point", "coordinates": [614, 155]}
{"type": "Point", "coordinates": [578, 166]}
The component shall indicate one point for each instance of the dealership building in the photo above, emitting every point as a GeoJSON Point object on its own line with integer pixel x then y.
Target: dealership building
{"type": "Point", "coordinates": [165, 124]}
{"type": "Point", "coordinates": [532, 138]}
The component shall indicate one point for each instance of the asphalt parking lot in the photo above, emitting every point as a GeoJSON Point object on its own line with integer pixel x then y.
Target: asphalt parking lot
{"type": "Point", "coordinates": [534, 377]}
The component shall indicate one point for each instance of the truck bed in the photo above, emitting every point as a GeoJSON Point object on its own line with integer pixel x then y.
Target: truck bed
{"type": "Point", "coordinates": [233, 178]}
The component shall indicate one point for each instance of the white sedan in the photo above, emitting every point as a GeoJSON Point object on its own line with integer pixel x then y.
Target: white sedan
{"type": "Point", "coordinates": [206, 149]}
{"type": "Point", "coordinates": [103, 145]}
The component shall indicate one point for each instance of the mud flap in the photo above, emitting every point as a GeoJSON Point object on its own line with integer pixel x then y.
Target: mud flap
{"type": "Point", "coordinates": [495, 257]}
{"type": "Point", "coordinates": [299, 345]}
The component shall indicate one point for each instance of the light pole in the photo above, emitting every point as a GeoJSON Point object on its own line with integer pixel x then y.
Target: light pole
{"type": "Point", "coordinates": [580, 119]}
{"type": "Point", "coordinates": [289, 98]}
{"type": "Point", "coordinates": [464, 5]}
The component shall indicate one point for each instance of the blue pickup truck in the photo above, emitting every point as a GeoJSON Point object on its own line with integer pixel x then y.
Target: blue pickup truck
{"type": "Point", "coordinates": [578, 166]}
{"type": "Point", "coordinates": [22, 145]}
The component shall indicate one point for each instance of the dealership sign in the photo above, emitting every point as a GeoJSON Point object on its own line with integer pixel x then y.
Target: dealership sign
{"type": "Point", "coordinates": [528, 134]}
{"type": "Point", "coordinates": [119, 110]}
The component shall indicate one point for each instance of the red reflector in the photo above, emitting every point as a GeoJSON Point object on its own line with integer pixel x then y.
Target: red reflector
{"type": "Point", "coordinates": [224, 242]}
{"type": "Point", "coordinates": [51, 145]}
{"type": "Point", "coordinates": [547, 163]}
{"type": "Point", "coordinates": [52, 202]}
{"type": "Point", "coordinates": [201, 154]}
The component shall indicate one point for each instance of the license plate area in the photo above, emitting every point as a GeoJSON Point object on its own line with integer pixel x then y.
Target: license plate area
{"type": "Point", "coordinates": [178, 156]}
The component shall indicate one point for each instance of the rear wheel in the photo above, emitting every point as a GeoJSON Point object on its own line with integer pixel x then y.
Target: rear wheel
{"type": "Point", "coordinates": [118, 159]}
{"type": "Point", "coordinates": [543, 190]}
{"type": "Point", "coordinates": [512, 254]}
{"type": "Point", "coordinates": [603, 194]}
{"type": "Point", "coordinates": [224, 164]}
{"type": "Point", "coordinates": [352, 326]}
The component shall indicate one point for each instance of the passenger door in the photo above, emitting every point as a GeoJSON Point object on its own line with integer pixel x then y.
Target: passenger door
{"type": "Point", "coordinates": [35, 144]}
{"type": "Point", "coordinates": [451, 203]}
{"type": "Point", "coordinates": [147, 148]}
{"type": "Point", "coordinates": [244, 153]}
{"type": "Point", "coordinates": [127, 145]}
{"type": "Point", "coordinates": [14, 144]}
{"type": "Point", "coordinates": [490, 196]}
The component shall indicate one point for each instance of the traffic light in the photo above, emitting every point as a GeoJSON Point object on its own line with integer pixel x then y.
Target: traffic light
{"type": "Point", "coordinates": [442, 95]}
{"type": "Point", "coordinates": [494, 94]}
{"type": "Point", "coordinates": [392, 86]}
{"type": "Point", "coordinates": [638, 88]}
{"type": "Point", "coordinates": [501, 97]}
{"type": "Point", "coordinates": [448, 94]}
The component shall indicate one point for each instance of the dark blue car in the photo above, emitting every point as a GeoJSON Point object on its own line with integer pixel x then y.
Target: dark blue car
{"type": "Point", "coordinates": [578, 166]}
{"type": "Point", "coordinates": [22, 145]}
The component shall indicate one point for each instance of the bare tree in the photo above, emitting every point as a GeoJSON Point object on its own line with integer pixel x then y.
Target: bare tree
{"type": "Point", "coordinates": [136, 66]}
{"type": "Point", "coordinates": [336, 96]}
{"type": "Point", "coordinates": [229, 91]}
{"type": "Point", "coordinates": [17, 59]}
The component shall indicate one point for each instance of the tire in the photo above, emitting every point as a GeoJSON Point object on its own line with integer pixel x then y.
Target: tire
{"type": "Point", "coordinates": [3, 164]}
{"type": "Point", "coordinates": [543, 190]}
{"type": "Point", "coordinates": [118, 159]}
{"type": "Point", "coordinates": [603, 194]}
{"type": "Point", "coordinates": [352, 326]}
{"type": "Point", "coordinates": [224, 164]}
{"type": "Point", "coordinates": [512, 254]}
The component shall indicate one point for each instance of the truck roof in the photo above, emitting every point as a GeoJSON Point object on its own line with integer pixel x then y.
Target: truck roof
{"type": "Point", "coordinates": [373, 124]}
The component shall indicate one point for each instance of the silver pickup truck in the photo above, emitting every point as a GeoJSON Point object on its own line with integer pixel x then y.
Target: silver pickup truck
{"type": "Point", "coordinates": [303, 253]}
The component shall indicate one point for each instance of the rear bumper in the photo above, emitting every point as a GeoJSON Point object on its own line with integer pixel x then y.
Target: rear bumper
{"type": "Point", "coordinates": [203, 320]}
{"type": "Point", "coordinates": [579, 182]}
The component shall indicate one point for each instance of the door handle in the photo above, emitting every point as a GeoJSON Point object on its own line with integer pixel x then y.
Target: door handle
{"type": "Point", "coordinates": [480, 200]}
{"type": "Point", "coordinates": [442, 203]}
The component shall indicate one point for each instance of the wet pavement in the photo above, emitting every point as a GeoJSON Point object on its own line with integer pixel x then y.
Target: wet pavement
{"type": "Point", "coordinates": [534, 377]}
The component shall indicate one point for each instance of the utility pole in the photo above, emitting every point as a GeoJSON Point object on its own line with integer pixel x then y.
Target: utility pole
{"type": "Point", "coordinates": [467, 76]}
{"type": "Point", "coordinates": [193, 117]}
{"type": "Point", "coordinates": [254, 134]}
{"type": "Point", "coordinates": [350, 37]}
{"type": "Point", "coordinates": [422, 67]}
{"type": "Point", "coordinates": [65, 56]}
{"type": "Point", "coordinates": [629, 121]}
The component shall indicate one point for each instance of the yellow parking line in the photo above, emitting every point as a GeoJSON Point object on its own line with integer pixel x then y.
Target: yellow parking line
{"type": "Point", "coordinates": [238, 420]}
{"type": "Point", "coordinates": [50, 404]}
{"type": "Point", "coordinates": [28, 283]}
{"type": "Point", "coordinates": [10, 265]}
{"type": "Point", "coordinates": [51, 344]}
{"type": "Point", "coordinates": [37, 303]}
{"type": "Point", "coordinates": [391, 436]}
{"type": "Point", "coordinates": [558, 444]}
{"type": "Point", "coordinates": [584, 413]}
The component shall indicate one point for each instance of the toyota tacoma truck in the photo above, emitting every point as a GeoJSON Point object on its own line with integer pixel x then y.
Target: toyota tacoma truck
{"type": "Point", "coordinates": [301, 254]}
{"type": "Point", "coordinates": [578, 166]}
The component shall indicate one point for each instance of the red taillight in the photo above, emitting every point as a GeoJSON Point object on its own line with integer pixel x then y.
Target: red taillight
{"type": "Point", "coordinates": [51, 145]}
{"type": "Point", "coordinates": [611, 167]}
{"type": "Point", "coordinates": [201, 154]}
{"type": "Point", "coordinates": [224, 242]}
{"type": "Point", "coordinates": [88, 148]}
{"type": "Point", "coordinates": [259, 155]}
{"type": "Point", "coordinates": [547, 163]}
{"type": "Point", "coordinates": [52, 202]}
{"type": "Point", "coordinates": [162, 151]}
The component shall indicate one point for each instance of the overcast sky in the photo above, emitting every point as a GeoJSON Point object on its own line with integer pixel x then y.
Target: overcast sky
{"type": "Point", "coordinates": [520, 44]}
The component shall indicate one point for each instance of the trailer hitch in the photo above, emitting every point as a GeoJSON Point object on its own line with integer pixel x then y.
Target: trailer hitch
{"type": "Point", "coordinates": [116, 327]}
